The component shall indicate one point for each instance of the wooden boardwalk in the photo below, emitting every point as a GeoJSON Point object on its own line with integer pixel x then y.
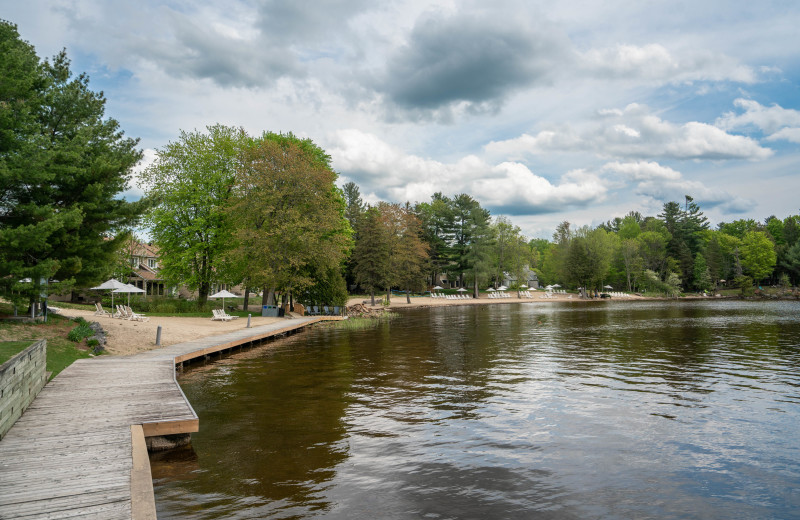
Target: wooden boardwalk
{"type": "Point", "coordinates": [78, 450]}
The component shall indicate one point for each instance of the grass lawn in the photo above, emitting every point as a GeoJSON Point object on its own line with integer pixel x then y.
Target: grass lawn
{"type": "Point", "coordinates": [9, 349]}
{"type": "Point", "coordinates": [61, 352]}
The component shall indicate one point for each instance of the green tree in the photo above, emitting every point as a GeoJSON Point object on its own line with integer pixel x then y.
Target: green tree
{"type": "Point", "coordinates": [288, 215]}
{"type": "Point", "coordinates": [372, 253]}
{"type": "Point", "coordinates": [408, 252]}
{"type": "Point", "coordinates": [702, 276]}
{"type": "Point", "coordinates": [471, 240]}
{"type": "Point", "coordinates": [63, 168]}
{"type": "Point", "coordinates": [510, 252]}
{"type": "Point", "coordinates": [437, 221]}
{"type": "Point", "coordinates": [190, 186]}
{"type": "Point", "coordinates": [758, 255]}
{"type": "Point", "coordinates": [589, 257]}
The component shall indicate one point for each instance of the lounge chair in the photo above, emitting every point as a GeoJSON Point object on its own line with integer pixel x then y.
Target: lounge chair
{"type": "Point", "coordinates": [135, 316]}
{"type": "Point", "coordinates": [219, 315]}
{"type": "Point", "coordinates": [121, 313]}
{"type": "Point", "coordinates": [99, 310]}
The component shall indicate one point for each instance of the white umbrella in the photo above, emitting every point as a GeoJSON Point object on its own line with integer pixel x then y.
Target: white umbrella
{"type": "Point", "coordinates": [490, 289]}
{"type": "Point", "coordinates": [461, 289]}
{"type": "Point", "coordinates": [523, 286]}
{"type": "Point", "coordinates": [607, 287]}
{"type": "Point", "coordinates": [113, 284]}
{"type": "Point", "coordinates": [126, 288]}
{"type": "Point", "coordinates": [438, 288]}
{"type": "Point", "coordinates": [223, 294]}
{"type": "Point", "coordinates": [556, 285]}
{"type": "Point", "coordinates": [502, 288]}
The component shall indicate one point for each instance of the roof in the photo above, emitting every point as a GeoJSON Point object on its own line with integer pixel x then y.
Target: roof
{"type": "Point", "coordinates": [146, 273]}
{"type": "Point", "coordinates": [145, 250]}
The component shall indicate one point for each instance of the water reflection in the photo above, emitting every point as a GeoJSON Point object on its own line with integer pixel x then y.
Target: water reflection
{"type": "Point", "coordinates": [560, 410]}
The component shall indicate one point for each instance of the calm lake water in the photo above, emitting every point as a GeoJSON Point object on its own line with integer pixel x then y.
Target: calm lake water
{"type": "Point", "coordinates": [604, 410]}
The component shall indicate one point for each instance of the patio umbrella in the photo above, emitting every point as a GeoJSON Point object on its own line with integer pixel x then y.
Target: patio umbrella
{"type": "Point", "coordinates": [523, 286]}
{"type": "Point", "coordinates": [126, 288]}
{"type": "Point", "coordinates": [438, 288]}
{"type": "Point", "coordinates": [490, 289]}
{"type": "Point", "coordinates": [113, 284]}
{"type": "Point", "coordinates": [607, 287]}
{"type": "Point", "coordinates": [223, 294]}
{"type": "Point", "coordinates": [556, 285]}
{"type": "Point", "coordinates": [461, 289]}
{"type": "Point", "coordinates": [502, 288]}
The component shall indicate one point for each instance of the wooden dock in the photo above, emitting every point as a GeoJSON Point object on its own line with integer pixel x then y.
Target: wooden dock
{"type": "Point", "coordinates": [79, 452]}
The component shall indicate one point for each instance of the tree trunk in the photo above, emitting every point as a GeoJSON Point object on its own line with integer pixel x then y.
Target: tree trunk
{"type": "Point", "coordinates": [246, 303]}
{"type": "Point", "coordinates": [202, 296]}
{"type": "Point", "coordinates": [388, 295]}
{"type": "Point", "coordinates": [270, 296]}
{"type": "Point", "coordinates": [408, 296]}
{"type": "Point", "coordinates": [372, 294]}
{"type": "Point", "coordinates": [264, 296]}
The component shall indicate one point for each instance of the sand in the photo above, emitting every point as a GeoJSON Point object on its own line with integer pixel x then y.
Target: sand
{"type": "Point", "coordinates": [124, 337]}
{"type": "Point", "coordinates": [129, 337]}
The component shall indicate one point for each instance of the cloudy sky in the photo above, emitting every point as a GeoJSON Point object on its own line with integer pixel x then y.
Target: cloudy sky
{"type": "Point", "coordinates": [543, 111]}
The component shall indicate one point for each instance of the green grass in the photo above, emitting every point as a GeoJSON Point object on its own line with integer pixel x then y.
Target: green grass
{"type": "Point", "coordinates": [9, 349]}
{"type": "Point", "coordinates": [60, 351]}
{"type": "Point", "coordinates": [356, 323]}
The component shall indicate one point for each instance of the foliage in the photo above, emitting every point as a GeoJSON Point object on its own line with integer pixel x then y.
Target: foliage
{"type": "Point", "coordinates": [288, 214]}
{"type": "Point", "coordinates": [80, 332]}
{"type": "Point", "coordinates": [758, 255]}
{"type": "Point", "coordinates": [62, 170]}
{"type": "Point", "coordinates": [190, 186]}
{"type": "Point", "coordinates": [372, 253]}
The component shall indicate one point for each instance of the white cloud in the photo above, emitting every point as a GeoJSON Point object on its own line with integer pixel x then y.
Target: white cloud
{"type": "Point", "coordinates": [653, 62]}
{"type": "Point", "coordinates": [778, 122]}
{"type": "Point", "coordinates": [643, 171]}
{"type": "Point", "coordinates": [511, 187]}
{"type": "Point", "coordinates": [636, 133]}
{"type": "Point", "coordinates": [136, 187]}
{"type": "Point", "coordinates": [786, 134]}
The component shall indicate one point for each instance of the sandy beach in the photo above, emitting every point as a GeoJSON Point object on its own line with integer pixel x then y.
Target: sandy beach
{"type": "Point", "coordinates": [129, 337]}
{"type": "Point", "coordinates": [399, 301]}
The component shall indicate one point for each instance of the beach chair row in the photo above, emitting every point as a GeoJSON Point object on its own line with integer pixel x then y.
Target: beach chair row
{"type": "Point", "coordinates": [619, 295]}
{"type": "Point", "coordinates": [123, 312]}
{"type": "Point", "coordinates": [451, 296]}
{"type": "Point", "coordinates": [221, 315]}
{"type": "Point", "coordinates": [314, 310]}
{"type": "Point", "coordinates": [499, 295]}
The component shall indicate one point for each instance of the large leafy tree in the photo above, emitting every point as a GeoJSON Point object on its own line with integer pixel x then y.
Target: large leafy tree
{"type": "Point", "coordinates": [63, 168]}
{"type": "Point", "coordinates": [190, 186]}
{"type": "Point", "coordinates": [289, 215]}
{"type": "Point", "coordinates": [758, 255]}
{"type": "Point", "coordinates": [408, 252]}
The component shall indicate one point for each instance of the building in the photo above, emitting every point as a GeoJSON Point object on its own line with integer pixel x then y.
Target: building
{"type": "Point", "coordinates": [145, 269]}
{"type": "Point", "coordinates": [529, 278]}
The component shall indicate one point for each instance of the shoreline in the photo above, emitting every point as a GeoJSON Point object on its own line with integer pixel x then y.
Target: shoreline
{"type": "Point", "coordinates": [125, 338]}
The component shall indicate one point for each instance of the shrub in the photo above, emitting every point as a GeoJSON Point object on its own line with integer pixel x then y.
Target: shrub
{"type": "Point", "coordinates": [80, 332]}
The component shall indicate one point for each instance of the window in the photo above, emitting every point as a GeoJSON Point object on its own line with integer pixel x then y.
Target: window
{"type": "Point", "coordinates": [151, 262]}
{"type": "Point", "coordinates": [135, 262]}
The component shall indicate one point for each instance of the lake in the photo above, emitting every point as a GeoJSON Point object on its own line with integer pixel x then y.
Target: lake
{"type": "Point", "coordinates": [574, 410]}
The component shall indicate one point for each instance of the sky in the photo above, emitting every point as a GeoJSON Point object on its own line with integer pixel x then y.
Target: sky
{"type": "Point", "coordinates": [543, 111]}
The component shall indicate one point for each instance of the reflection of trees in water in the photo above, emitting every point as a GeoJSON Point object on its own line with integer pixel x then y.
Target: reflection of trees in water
{"type": "Point", "coordinates": [683, 344]}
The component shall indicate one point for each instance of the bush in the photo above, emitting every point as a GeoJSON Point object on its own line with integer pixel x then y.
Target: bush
{"type": "Point", "coordinates": [175, 306]}
{"type": "Point", "coordinates": [80, 332]}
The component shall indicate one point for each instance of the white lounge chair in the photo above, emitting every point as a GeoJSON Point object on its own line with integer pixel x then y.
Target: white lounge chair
{"type": "Point", "coordinates": [99, 310]}
{"type": "Point", "coordinates": [135, 316]}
